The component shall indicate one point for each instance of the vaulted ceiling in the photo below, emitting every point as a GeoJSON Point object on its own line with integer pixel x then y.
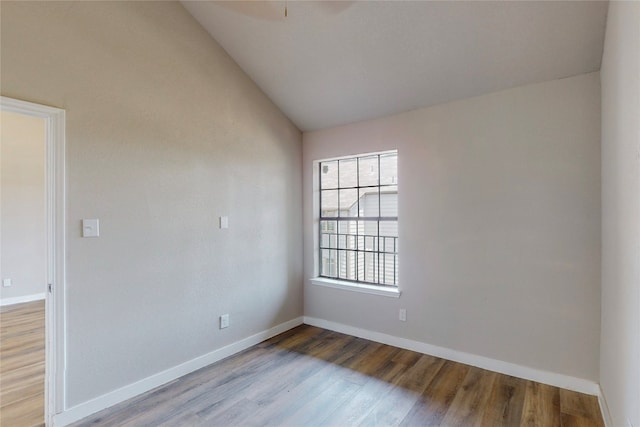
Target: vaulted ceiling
{"type": "Point", "coordinates": [330, 63]}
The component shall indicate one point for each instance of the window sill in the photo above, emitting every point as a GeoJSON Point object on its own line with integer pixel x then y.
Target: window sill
{"type": "Point", "coordinates": [357, 287]}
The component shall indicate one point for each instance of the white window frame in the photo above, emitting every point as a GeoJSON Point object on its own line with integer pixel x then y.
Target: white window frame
{"type": "Point", "coordinates": [392, 291]}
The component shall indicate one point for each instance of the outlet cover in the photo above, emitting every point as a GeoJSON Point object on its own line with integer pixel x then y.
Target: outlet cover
{"type": "Point", "coordinates": [6, 283]}
{"type": "Point", "coordinates": [402, 315]}
{"type": "Point", "coordinates": [224, 222]}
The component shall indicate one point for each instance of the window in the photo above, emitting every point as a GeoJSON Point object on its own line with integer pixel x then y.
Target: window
{"type": "Point", "coordinates": [358, 228]}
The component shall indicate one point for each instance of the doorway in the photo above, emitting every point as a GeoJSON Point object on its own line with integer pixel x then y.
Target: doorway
{"type": "Point", "coordinates": [53, 278]}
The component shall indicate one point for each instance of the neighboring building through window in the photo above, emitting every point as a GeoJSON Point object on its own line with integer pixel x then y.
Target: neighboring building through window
{"type": "Point", "coordinates": [358, 232]}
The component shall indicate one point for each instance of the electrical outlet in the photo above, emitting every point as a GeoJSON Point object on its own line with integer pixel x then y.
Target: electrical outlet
{"type": "Point", "coordinates": [6, 283]}
{"type": "Point", "coordinates": [402, 315]}
{"type": "Point", "coordinates": [224, 321]}
{"type": "Point", "coordinates": [224, 222]}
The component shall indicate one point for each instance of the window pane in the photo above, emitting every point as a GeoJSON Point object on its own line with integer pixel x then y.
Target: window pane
{"type": "Point", "coordinates": [329, 175]}
{"type": "Point", "coordinates": [389, 228]}
{"type": "Point", "coordinates": [329, 241]}
{"type": "Point", "coordinates": [368, 171]}
{"type": "Point", "coordinates": [342, 241]}
{"type": "Point", "coordinates": [349, 202]}
{"type": "Point", "coordinates": [389, 244]}
{"type": "Point", "coordinates": [388, 169]}
{"type": "Point", "coordinates": [367, 243]}
{"type": "Point", "coordinates": [361, 267]}
{"type": "Point", "coordinates": [348, 173]}
{"type": "Point", "coordinates": [369, 202]}
{"type": "Point", "coordinates": [329, 203]}
{"type": "Point", "coordinates": [351, 242]}
{"type": "Point", "coordinates": [328, 267]}
{"type": "Point", "coordinates": [347, 265]}
{"type": "Point", "coordinates": [347, 227]}
{"type": "Point", "coordinates": [370, 267]}
{"type": "Point", "coordinates": [352, 259]}
{"type": "Point", "coordinates": [389, 269]}
{"type": "Point", "coordinates": [389, 200]}
{"type": "Point", "coordinates": [328, 226]}
{"type": "Point", "coordinates": [369, 229]}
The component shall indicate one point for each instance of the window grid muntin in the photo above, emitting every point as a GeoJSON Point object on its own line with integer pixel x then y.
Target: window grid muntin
{"type": "Point", "coordinates": [380, 251]}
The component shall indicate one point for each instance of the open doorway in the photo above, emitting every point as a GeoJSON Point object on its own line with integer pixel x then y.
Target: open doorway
{"type": "Point", "coordinates": [31, 262]}
{"type": "Point", "coordinates": [23, 268]}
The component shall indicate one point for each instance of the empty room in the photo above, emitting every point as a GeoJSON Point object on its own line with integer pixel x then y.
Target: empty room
{"type": "Point", "coordinates": [320, 213]}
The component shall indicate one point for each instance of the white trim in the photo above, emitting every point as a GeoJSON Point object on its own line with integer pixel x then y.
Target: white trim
{"type": "Point", "coordinates": [545, 377]}
{"type": "Point", "coordinates": [364, 288]}
{"type": "Point", "coordinates": [127, 392]}
{"type": "Point", "coordinates": [55, 345]}
{"type": "Point", "coordinates": [604, 408]}
{"type": "Point", "coordinates": [23, 299]}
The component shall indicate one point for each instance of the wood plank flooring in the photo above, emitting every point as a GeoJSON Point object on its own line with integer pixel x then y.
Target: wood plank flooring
{"type": "Point", "coordinates": [22, 357]}
{"type": "Point", "coordinates": [314, 377]}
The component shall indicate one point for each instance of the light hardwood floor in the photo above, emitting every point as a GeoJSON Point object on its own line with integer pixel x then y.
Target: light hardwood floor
{"type": "Point", "coordinates": [314, 377]}
{"type": "Point", "coordinates": [22, 356]}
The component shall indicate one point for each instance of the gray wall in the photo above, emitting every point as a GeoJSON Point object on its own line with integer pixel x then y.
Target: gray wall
{"type": "Point", "coordinates": [23, 240]}
{"type": "Point", "coordinates": [620, 342]}
{"type": "Point", "coordinates": [164, 134]}
{"type": "Point", "coordinates": [499, 223]}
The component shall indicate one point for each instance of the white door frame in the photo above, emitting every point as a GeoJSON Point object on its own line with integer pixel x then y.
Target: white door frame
{"type": "Point", "coordinates": [55, 217]}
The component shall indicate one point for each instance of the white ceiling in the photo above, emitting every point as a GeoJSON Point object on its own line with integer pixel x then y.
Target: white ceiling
{"type": "Point", "coordinates": [332, 63]}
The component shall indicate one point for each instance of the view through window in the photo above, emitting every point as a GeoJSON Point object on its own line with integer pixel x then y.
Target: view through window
{"type": "Point", "coordinates": [358, 231]}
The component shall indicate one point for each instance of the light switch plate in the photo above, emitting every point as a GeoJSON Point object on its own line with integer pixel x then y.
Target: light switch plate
{"type": "Point", "coordinates": [90, 228]}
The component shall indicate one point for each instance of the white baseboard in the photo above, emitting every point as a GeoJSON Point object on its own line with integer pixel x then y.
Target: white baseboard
{"type": "Point", "coordinates": [550, 378]}
{"type": "Point", "coordinates": [604, 408]}
{"type": "Point", "coordinates": [20, 300]}
{"type": "Point", "coordinates": [97, 404]}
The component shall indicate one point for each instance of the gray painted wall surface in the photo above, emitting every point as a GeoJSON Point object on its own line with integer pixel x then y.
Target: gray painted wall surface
{"type": "Point", "coordinates": [620, 342]}
{"type": "Point", "coordinates": [164, 134]}
{"type": "Point", "coordinates": [499, 225]}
